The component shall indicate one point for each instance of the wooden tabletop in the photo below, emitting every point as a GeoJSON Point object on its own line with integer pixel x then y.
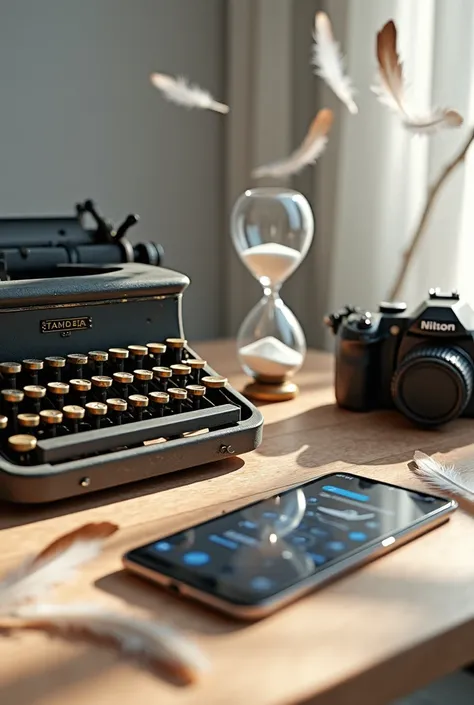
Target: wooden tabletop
{"type": "Point", "coordinates": [370, 637]}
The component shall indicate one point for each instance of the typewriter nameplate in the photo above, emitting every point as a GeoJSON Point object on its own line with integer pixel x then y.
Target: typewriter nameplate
{"type": "Point", "coordinates": [59, 325]}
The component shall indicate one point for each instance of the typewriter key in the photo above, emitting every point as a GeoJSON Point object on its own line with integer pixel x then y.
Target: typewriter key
{"type": "Point", "coordinates": [180, 373]}
{"type": "Point", "coordinates": [96, 361]}
{"type": "Point", "coordinates": [138, 403]}
{"type": "Point", "coordinates": [117, 357]}
{"type": "Point", "coordinates": [162, 375]}
{"type": "Point", "coordinates": [196, 393]}
{"type": "Point", "coordinates": [51, 419]}
{"type": "Point", "coordinates": [159, 400]}
{"type": "Point", "coordinates": [58, 391]}
{"type": "Point", "coordinates": [197, 367]}
{"type": "Point", "coordinates": [214, 382]}
{"type": "Point", "coordinates": [177, 346]}
{"type": "Point", "coordinates": [137, 353]}
{"type": "Point", "coordinates": [76, 363]}
{"type": "Point", "coordinates": [177, 396]}
{"type": "Point", "coordinates": [156, 350]}
{"type": "Point", "coordinates": [73, 414]}
{"type": "Point", "coordinates": [142, 378]}
{"type": "Point", "coordinates": [32, 368]}
{"type": "Point", "coordinates": [22, 445]}
{"type": "Point", "coordinates": [28, 420]}
{"type": "Point", "coordinates": [96, 411]}
{"type": "Point", "coordinates": [3, 422]}
{"type": "Point", "coordinates": [9, 371]}
{"type": "Point", "coordinates": [122, 381]}
{"type": "Point", "coordinates": [116, 409]}
{"type": "Point", "coordinates": [34, 393]}
{"type": "Point", "coordinates": [101, 384]}
{"type": "Point", "coordinates": [11, 398]}
{"type": "Point", "coordinates": [80, 387]}
{"type": "Point", "coordinates": [55, 367]}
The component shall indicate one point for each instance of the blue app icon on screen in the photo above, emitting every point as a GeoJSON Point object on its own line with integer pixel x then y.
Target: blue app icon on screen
{"type": "Point", "coordinates": [196, 558]}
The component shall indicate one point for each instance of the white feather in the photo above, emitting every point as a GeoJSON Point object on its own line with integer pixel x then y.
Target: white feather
{"type": "Point", "coordinates": [390, 89]}
{"type": "Point", "coordinates": [307, 153]}
{"type": "Point", "coordinates": [147, 641]}
{"type": "Point", "coordinates": [180, 91]}
{"type": "Point", "coordinates": [446, 478]}
{"type": "Point", "coordinates": [59, 564]}
{"type": "Point", "coordinates": [329, 63]}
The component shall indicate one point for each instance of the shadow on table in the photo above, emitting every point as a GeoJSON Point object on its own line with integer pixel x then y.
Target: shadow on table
{"type": "Point", "coordinates": [185, 614]}
{"type": "Point", "coordinates": [328, 434]}
{"type": "Point", "coordinates": [18, 515]}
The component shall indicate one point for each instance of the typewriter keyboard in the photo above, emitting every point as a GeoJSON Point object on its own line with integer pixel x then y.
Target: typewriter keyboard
{"type": "Point", "coordinates": [61, 408]}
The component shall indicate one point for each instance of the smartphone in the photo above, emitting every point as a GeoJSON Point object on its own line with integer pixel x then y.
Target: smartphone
{"type": "Point", "coordinates": [255, 560]}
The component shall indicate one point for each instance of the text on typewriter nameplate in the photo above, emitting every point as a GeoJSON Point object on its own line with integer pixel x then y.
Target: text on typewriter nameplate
{"type": "Point", "coordinates": [58, 325]}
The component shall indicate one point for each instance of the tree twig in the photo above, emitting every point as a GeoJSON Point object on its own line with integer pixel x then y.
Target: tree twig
{"type": "Point", "coordinates": [434, 190]}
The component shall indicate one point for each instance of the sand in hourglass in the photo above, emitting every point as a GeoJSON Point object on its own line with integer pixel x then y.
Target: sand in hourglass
{"type": "Point", "coordinates": [269, 356]}
{"type": "Point", "coordinates": [271, 260]}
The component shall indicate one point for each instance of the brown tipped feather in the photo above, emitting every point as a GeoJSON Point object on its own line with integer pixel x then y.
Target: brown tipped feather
{"type": "Point", "coordinates": [391, 88]}
{"type": "Point", "coordinates": [88, 532]}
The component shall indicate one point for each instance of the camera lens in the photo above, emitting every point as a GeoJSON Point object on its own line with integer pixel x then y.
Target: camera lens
{"type": "Point", "coordinates": [433, 385]}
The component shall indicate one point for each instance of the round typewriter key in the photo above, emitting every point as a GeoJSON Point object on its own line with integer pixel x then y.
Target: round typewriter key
{"type": "Point", "coordinates": [3, 422]}
{"type": "Point", "coordinates": [28, 420]}
{"type": "Point", "coordinates": [196, 393]}
{"type": "Point", "coordinates": [180, 373]}
{"type": "Point", "coordinates": [55, 367]}
{"type": "Point", "coordinates": [116, 408]}
{"type": "Point", "coordinates": [214, 382]}
{"type": "Point", "coordinates": [58, 390]}
{"type": "Point", "coordinates": [138, 403]}
{"type": "Point", "coordinates": [122, 381]}
{"type": "Point", "coordinates": [137, 353]}
{"type": "Point", "coordinates": [177, 396]}
{"type": "Point", "coordinates": [80, 388]}
{"type": "Point", "coordinates": [117, 357]}
{"type": "Point", "coordinates": [11, 398]}
{"type": "Point", "coordinates": [142, 379]}
{"type": "Point", "coordinates": [32, 368]}
{"type": "Point", "coordinates": [162, 375]}
{"type": "Point", "coordinates": [100, 385]}
{"type": "Point", "coordinates": [76, 363]}
{"type": "Point", "coordinates": [96, 410]}
{"type": "Point", "coordinates": [197, 367]}
{"type": "Point", "coordinates": [33, 395]}
{"type": "Point", "coordinates": [22, 445]}
{"type": "Point", "coordinates": [51, 418]}
{"type": "Point", "coordinates": [9, 371]}
{"type": "Point", "coordinates": [73, 414]}
{"type": "Point", "coordinates": [159, 400]}
{"type": "Point", "coordinates": [176, 345]}
{"type": "Point", "coordinates": [96, 361]}
{"type": "Point", "coordinates": [156, 350]}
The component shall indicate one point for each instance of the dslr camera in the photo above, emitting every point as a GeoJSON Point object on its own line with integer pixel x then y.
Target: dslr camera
{"type": "Point", "coordinates": [422, 363]}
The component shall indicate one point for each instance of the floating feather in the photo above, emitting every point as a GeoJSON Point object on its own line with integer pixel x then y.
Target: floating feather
{"type": "Point", "coordinates": [180, 91]}
{"type": "Point", "coordinates": [390, 88]}
{"type": "Point", "coordinates": [445, 478]}
{"type": "Point", "coordinates": [153, 644]}
{"type": "Point", "coordinates": [329, 63]}
{"type": "Point", "coordinates": [307, 153]}
{"type": "Point", "coordinates": [56, 564]}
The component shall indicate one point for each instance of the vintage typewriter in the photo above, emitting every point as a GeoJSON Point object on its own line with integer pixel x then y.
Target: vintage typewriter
{"type": "Point", "coordinates": [98, 385]}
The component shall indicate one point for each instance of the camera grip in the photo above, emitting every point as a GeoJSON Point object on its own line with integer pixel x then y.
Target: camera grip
{"type": "Point", "coordinates": [355, 374]}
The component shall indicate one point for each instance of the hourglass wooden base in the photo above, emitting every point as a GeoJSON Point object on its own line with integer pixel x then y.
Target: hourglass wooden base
{"type": "Point", "coordinates": [271, 389]}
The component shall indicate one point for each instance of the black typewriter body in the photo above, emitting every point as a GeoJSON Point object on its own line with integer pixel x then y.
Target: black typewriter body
{"type": "Point", "coordinates": [99, 387]}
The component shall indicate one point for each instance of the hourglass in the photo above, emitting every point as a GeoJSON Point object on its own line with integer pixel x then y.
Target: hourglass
{"type": "Point", "coordinates": [272, 230]}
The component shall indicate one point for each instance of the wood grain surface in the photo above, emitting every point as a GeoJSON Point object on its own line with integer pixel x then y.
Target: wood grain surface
{"type": "Point", "coordinates": [372, 636]}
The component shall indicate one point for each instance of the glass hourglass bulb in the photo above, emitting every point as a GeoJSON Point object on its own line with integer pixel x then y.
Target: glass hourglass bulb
{"type": "Point", "coordinates": [272, 230]}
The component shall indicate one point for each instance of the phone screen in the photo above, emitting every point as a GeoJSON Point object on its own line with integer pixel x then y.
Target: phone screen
{"type": "Point", "coordinates": [256, 552]}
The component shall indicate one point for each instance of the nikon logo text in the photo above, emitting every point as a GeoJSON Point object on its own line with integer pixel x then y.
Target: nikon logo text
{"type": "Point", "coordinates": [435, 326]}
{"type": "Point", "coordinates": [59, 325]}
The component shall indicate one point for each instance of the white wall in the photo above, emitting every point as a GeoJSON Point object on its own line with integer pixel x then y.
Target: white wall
{"type": "Point", "coordinates": [80, 119]}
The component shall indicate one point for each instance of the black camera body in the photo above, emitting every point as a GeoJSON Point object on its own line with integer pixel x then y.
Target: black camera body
{"type": "Point", "coordinates": [422, 363]}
